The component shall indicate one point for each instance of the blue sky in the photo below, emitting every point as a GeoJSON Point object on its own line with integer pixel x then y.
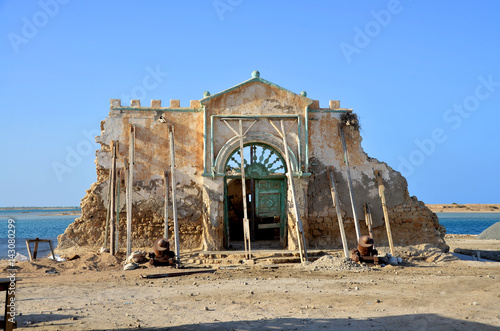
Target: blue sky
{"type": "Point", "coordinates": [423, 76]}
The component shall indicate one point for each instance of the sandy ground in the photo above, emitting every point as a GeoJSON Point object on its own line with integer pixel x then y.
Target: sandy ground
{"type": "Point", "coordinates": [430, 290]}
{"type": "Point", "coordinates": [465, 208]}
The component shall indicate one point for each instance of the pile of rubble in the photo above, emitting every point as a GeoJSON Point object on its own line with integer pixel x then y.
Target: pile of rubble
{"type": "Point", "coordinates": [335, 263]}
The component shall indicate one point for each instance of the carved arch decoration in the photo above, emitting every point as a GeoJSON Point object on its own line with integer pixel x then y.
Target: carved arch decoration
{"type": "Point", "coordinates": [253, 137]}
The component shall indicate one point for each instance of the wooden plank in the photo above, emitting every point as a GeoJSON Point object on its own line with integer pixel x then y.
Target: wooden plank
{"type": "Point", "coordinates": [174, 202]}
{"type": "Point", "coordinates": [29, 250]}
{"type": "Point", "coordinates": [349, 182]}
{"type": "Point", "coordinates": [35, 250]}
{"type": "Point", "coordinates": [381, 192]}
{"type": "Point", "coordinates": [52, 250]}
{"type": "Point", "coordinates": [298, 223]}
{"type": "Point", "coordinates": [127, 199]}
{"type": "Point", "coordinates": [269, 226]}
{"type": "Point", "coordinates": [117, 212]}
{"type": "Point", "coordinates": [108, 213]}
{"type": "Point", "coordinates": [246, 226]}
{"type": "Point", "coordinates": [368, 218]}
{"type": "Point", "coordinates": [246, 223]}
{"type": "Point", "coordinates": [177, 274]}
{"type": "Point", "coordinates": [113, 193]}
{"type": "Point", "coordinates": [165, 183]}
{"type": "Point", "coordinates": [130, 185]}
{"type": "Point", "coordinates": [336, 204]}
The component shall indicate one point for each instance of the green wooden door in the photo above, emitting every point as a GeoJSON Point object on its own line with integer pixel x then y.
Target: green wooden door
{"type": "Point", "coordinates": [270, 205]}
{"type": "Point", "coordinates": [265, 173]}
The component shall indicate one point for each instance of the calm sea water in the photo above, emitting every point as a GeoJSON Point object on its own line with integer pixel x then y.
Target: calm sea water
{"type": "Point", "coordinates": [45, 224]}
{"type": "Point", "coordinates": [32, 223]}
{"type": "Point", "coordinates": [467, 223]}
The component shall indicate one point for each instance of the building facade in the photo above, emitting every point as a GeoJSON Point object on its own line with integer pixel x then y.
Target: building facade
{"type": "Point", "coordinates": [208, 181]}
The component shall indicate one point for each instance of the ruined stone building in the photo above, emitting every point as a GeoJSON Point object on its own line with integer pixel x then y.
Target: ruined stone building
{"type": "Point", "coordinates": [208, 178]}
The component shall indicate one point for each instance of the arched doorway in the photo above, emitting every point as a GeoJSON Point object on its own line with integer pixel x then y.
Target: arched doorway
{"type": "Point", "coordinates": [266, 196]}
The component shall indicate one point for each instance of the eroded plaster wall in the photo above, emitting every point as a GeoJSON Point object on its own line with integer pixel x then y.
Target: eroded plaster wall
{"type": "Point", "coordinates": [152, 158]}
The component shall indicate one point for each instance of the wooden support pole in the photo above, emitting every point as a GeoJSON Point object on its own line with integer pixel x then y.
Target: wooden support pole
{"type": "Point", "coordinates": [246, 226]}
{"type": "Point", "coordinates": [336, 204]}
{"type": "Point", "coordinates": [298, 223]}
{"type": "Point", "coordinates": [165, 182]}
{"type": "Point", "coordinates": [349, 182]}
{"type": "Point", "coordinates": [117, 230]}
{"type": "Point", "coordinates": [381, 192]}
{"type": "Point", "coordinates": [35, 250]}
{"type": "Point", "coordinates": [29, 250]}
{"type": "Point", "coordinates": [113, 194]}
{"type": "Point", "coordinates": [130, 190]}
{"type": "Point", "coordinates": [368, 218]}
{"type": "Point", "coordinates": [127, 198]}
{"type": "Point", "coordinates": [52, 250]}
{"type": "Point", "coordinates": [108, 213]}
{"type": "Point", "coordinates": [174, 202]}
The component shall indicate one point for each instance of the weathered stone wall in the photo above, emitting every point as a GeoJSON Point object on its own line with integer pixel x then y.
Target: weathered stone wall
{"type": "Point", "coordinates": [411, 221]}
{"type": "Point", "coordinates": [152, 158]}
{"type": "Point", "coordinates": [202, 144]}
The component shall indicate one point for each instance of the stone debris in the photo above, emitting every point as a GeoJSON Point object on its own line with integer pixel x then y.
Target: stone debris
{"type": "Point", "coordinates": [424, 252]}
{"type": "Point", "coordinates": [131, 266]}
{"type": "Point", "coordinates": [334, 263]}
{"type": "Point", "coordinates": [137, 257]}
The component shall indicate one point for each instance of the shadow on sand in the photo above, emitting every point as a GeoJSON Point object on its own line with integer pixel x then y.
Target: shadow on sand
{"type": "Point", "coordinates": [400, 322]}
{"type": "Point", "coordinates": [33, 320]}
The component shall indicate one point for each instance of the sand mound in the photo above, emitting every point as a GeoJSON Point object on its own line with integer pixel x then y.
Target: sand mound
{"type": "Point", "coordinates": [37, 266]}
{"type": "Point", "coordinates": [89, 261]}
{"type": "Point", "coordinates": [97, 262]}
{"type": "Point", "coordinates": [493, 232]}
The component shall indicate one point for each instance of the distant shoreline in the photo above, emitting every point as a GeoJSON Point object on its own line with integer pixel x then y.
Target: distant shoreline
{"type": "Point", "coordinates": [464, 208]}
{"type": "Point", "coordinates": [57, 211]}
{"type": "Point", "coordinates": [38, 208]}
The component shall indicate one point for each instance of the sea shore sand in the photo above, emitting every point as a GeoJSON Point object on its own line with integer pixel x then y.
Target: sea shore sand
{"type": "Point", "coordinates": [430, 290]}
{"type": "Point", "coordinates": [464, 208]}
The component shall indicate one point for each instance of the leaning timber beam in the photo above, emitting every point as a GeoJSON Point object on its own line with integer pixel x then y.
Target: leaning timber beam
{"type": "Point", "coordinates": [298, 223]}
{"type": "Point", "coordinates": [381, 192]}
{"type": "Point", "coordinates": [336, 204]}
{"type": "Point", "coordinates": [174, 202]}
{"type": "Point", "coordinates": [113, 195]}
{"type": "Point", "coordinates": [349, 182]}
